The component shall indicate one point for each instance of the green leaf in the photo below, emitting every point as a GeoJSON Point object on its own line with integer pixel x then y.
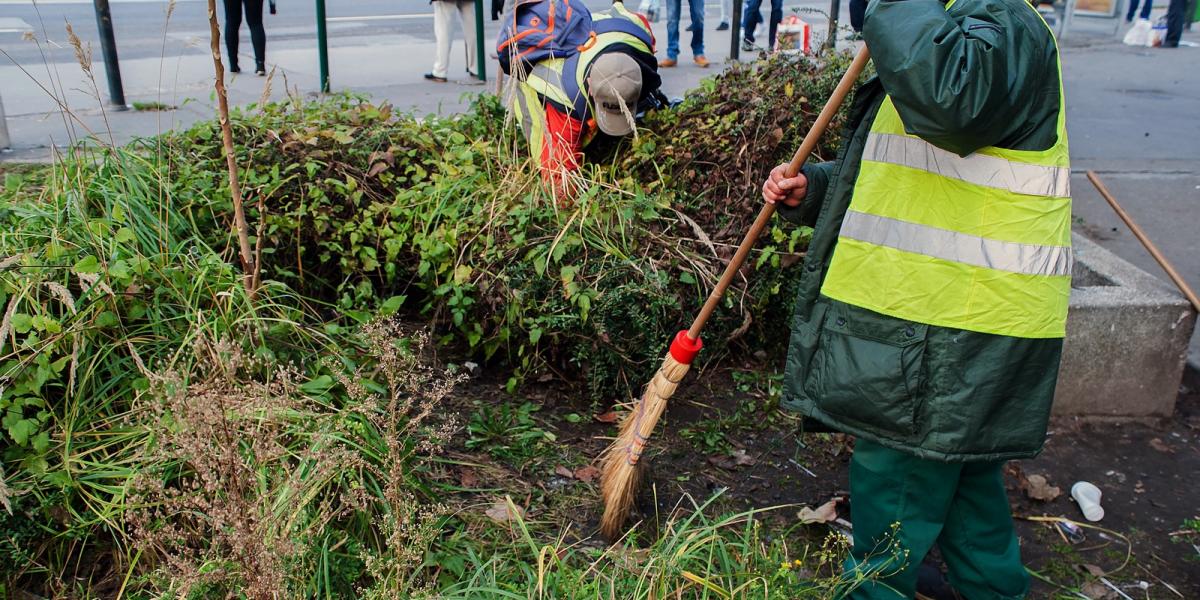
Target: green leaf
{"type": "Point", "coordinates": [687, 278]}
{"type": "Point", "coordinates": [125, 235]}
{"type": "Point", "coordinates": [391, 305]}
{"type": "Point", "coordinates": [87, 264]}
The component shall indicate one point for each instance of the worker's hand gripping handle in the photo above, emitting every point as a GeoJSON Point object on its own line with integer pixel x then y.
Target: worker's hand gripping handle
{"type": "Point", "coordinates": [764, 216]}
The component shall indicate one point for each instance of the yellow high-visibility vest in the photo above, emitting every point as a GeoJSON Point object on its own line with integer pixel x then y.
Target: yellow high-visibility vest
{"type": "Point", "coordinates": [981, 242]}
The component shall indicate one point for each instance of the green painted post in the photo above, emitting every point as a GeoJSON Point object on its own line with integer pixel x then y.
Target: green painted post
{"type": "Point", "coordinates": [322, 46]}
{"type": "Point", "coordinates": [481, 59]}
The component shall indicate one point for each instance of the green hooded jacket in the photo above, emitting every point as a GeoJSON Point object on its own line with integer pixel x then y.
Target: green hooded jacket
{"type": "Point", "coordinates": [979, 73]}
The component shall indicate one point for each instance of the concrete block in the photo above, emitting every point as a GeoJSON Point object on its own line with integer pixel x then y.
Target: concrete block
{"type": "Point", "coordinates": [1127, 339]}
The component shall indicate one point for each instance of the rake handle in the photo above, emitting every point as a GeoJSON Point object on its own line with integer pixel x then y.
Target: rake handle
{"type": "Point", "coordinates": [768, 210]}
{"type": "Point", "coordinates": [1145, 240]}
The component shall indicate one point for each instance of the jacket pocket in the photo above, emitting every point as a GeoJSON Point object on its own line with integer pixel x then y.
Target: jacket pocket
{"type": "Point", "coordinates": [866, 369]}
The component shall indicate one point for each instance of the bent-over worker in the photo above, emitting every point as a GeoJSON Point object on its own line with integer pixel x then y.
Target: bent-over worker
{"type": "Point", "coordinates": [563, 103]}
{"type": "Point", "coordinates": [933, 298]}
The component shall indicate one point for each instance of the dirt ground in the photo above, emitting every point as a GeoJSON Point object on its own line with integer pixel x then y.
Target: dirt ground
{"type": "Point", "coordinates": [723, 433]}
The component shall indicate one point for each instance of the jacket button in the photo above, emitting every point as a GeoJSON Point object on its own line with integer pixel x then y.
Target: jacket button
{"type": "Point", "coordinates": [811, 267]}
{"type": "Point", "coordinates": [909, 331]}
{"type": "Point", "coordinates": [841, 321]}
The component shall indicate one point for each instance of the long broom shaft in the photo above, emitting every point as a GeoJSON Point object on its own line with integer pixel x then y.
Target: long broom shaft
{"type": "Point", "coordinates": [764, 216]}
{"type": "Point", "coordinates": [621, 466]}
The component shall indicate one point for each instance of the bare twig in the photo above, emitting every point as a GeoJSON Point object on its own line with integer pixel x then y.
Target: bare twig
{"type": "Point", "coordinates": [249, 264]}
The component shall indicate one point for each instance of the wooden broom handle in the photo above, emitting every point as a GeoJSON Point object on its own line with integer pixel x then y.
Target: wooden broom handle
{"type": "Point", "coordinates": [802, 153]}
{"type": "Point", "coordinates": [1141, 236]}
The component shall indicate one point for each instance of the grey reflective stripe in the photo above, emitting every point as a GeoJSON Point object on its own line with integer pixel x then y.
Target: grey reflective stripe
{"type": "Point", "coordinates": [957, 247]}
{"type": "Point", "coordinates": [979, 169]}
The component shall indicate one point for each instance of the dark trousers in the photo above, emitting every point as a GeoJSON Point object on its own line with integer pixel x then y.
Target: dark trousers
{"type": "Point", "coordinates": [902, 506]}
{"type": "Point", "coordinates": [752, 16]}
{"type": "Point", "coordinates": [254, 19]}
{"type": "Point", "coordinates": [1147, 5]}
{"type": "Point", "coordinates": [1175, 18]}
{"type": "Point", "coordinates": [497, 9]}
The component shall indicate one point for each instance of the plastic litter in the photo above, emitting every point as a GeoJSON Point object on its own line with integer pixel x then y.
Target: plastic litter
{"type": "Point", "coordinates": [1087, 496]}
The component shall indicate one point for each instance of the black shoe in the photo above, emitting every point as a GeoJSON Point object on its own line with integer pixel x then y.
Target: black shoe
{"type": "Point", "coordinates": [260, 70]}
{"type": "Point", "coordinates": [432, 77]}
{"type": "Point", "coordinates": [691, 27]}
{"type": "Point", "coordinates": [724, 26]}
{"type": "Point", "coordinates": [233, 68]}
{"type": "Point", "coordinates": [932, 584]}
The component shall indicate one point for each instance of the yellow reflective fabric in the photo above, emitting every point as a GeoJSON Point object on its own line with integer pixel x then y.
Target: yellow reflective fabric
{"type": "Point", "coordinates": [995, 197]}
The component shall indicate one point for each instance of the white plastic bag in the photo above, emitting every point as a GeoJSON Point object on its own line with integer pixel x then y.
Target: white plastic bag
{"type": "Point", "coordinates": [1158, 33]}
{"type": "Point", "coordinates": [1139, 34]}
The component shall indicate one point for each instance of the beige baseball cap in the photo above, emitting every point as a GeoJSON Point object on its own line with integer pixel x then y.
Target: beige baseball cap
{"type": "Point", "coordinates": [615, 79]}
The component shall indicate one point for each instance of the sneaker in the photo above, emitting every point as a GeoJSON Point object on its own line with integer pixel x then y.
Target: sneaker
{"type": "Point", "coordinates": [233, 68]}
{"type": "Point", "coordinates": [748, 46]}
{"type": "Point", "coordinates": [701, 61]}
{"type": "Point", "coordinates": [667, 63]}
{"type": "Point", "coordinates": [724, 26]}
{"type": "Point", "coordinates": [432, 77]}
{"type": "Point", "coordinates": [260, 70]}
{"type": "Point", "coordinates": [691, 27]}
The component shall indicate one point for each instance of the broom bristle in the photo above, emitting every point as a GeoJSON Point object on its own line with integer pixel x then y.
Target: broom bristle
{"type": "Point", "coordinates": [620, 477]}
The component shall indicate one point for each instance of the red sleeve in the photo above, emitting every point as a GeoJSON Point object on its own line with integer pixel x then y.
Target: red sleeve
{"type": "Point", "coordinates": [561, 145]}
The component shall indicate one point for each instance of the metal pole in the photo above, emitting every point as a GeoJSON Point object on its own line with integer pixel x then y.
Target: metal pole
{"type": "Point", "coordinates": [108, 47]}
{"type": "Point", "coordinates": [735, 32]}
{"type": "Point", "coordinates": [481, 58]}
{"type": "Point", "coordinates": [322, 47]}
{"type": "Point", "coordinates": [835, 7]}
{"type": "Point", "coordinates": [4, 141]}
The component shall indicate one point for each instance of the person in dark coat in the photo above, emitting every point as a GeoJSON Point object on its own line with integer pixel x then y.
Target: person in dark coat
{"type": "Point", "coordinates": [933, 295]}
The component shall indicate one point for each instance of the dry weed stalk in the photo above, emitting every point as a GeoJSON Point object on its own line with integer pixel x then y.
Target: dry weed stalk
{"type": "Point", "coordinates": [252, 472]}
{"type": "Point", "coordinates": [250, 275]}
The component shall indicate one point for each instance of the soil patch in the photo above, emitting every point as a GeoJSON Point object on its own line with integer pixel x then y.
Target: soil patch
{"type": "Point", "coordinates": [723, 433]}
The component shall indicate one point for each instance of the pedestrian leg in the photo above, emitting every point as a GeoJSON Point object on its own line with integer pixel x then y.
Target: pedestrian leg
{"type": "Point", "coordinates": [443, 20]}
{"type": "Point", "coordinates": [673, 9]}
{"type": "Point", "coordinates": [726, 12]}
{"type": "Point", "coordinates": [258, 33]}
{"type": "Point", "coordinates": [776, 19]}
{"type": "Point", "coordinates": [466, 11]}
{"type": "Point", "coordinates": [898, 503]}
{"type": "Point", "coordinates": [979, 542]}
{"type": "Point", "coordinates": [233, 23]}
{"type": "Point", "coordinates": [750, 19]}
{"type": "Point", "coordinates": [696, 8]}
{"type": "Point", "coordinates": [1174, 23]}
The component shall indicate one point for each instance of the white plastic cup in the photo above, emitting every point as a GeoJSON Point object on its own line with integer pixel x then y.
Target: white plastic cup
{"type": "Point", "coordinates": [1087, 496]}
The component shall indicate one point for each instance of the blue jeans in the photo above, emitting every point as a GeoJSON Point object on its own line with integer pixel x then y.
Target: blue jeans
{"type": "Point", "coordinates": [673, 9]}
{"type": "Point", "coordinates": [752, 16]}
{"type": "Point", "coordinates": [1133, 4]}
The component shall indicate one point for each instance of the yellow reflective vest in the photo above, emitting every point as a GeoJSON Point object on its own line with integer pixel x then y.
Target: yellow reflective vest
{"type": "Point", "coordinates": [979, 242]}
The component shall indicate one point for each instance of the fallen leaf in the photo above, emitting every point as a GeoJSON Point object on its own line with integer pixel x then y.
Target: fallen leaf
{"type": "Point", "coordinates": [608, 417]}
{"type": "Point", "coordinates": [826, 513]}
{"type": "Point", "coordinates": [741, 459]}
{"type": "Point", "coordinates": [377, 168]}
{"type": "Point", "coordinates": [587, 474]}
{"type": "Point", "coordinates": [1097, 591]}
{"type": "Point", "coordinates": [502, 512]}
{"type": "Point", "coordinates": [1161, 446]}
{"type": "Point", "coordinates": [1037, 488]}
{"type": "Point", "coordinates": [565, 472]}
{"type": "Point", "coordinates": [1094, 570]}
{"type": "Point", "coordinates": [467, 478]}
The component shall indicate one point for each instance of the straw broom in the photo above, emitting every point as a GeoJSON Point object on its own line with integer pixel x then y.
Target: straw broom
{"type": "Point", "coordinates": [621, 473]}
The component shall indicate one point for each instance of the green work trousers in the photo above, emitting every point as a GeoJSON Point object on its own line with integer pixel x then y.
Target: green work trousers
{"type": "Point", "coordinates": [902, 505]}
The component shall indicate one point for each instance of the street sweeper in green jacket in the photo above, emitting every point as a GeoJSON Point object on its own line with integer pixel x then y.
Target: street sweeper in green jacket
{"type": "Point", "coordinates": [933, 297]}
